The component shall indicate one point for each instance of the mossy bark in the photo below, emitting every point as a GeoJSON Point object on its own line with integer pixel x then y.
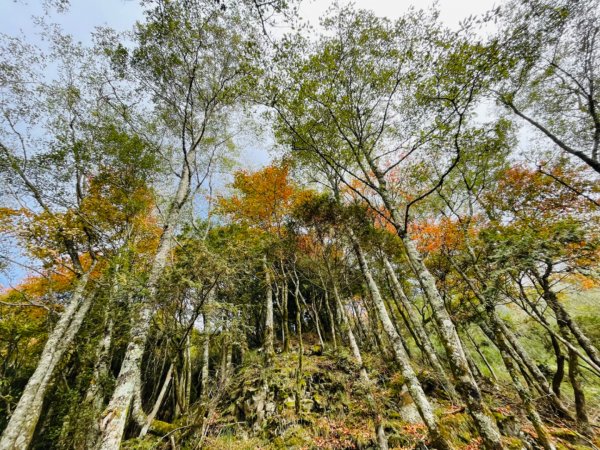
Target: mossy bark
{"type": "Point", "coordinates": [18, 433]}
{"type": "Point", "coordinates": [414, 386]}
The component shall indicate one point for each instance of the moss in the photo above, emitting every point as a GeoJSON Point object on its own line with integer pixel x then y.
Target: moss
{"type": "Point", "coordinates": [161, 428]}
{"type": "Point", "coordinates": [146, 443]}
{"type": "Point", "coordinates": [316, 350]}
{"type": "Point", "coordinates": [513, 443]}
{"type": "Point", "coordinates": [458, 428]}
{"type": "Point", "coordinates": [396, 384]}
{"type": "Point", "coordinates": [565, 434]}
{"type": "Point", "coordinates": [228, 442]}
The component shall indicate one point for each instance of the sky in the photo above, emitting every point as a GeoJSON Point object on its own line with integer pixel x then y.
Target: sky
{"type": "Point", "coordinates": [84, 16]}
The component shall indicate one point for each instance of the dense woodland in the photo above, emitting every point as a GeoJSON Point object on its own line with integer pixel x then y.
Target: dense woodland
{"type": "Point", "coordinates": [416, 267]}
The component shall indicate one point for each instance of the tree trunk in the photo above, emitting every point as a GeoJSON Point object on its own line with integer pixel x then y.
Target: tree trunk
{"type": "Point", "coordinates": [482, 356]}
{"type": "Point", "coordinates": [583, 423]}
{"type": "Point", "coordinates": [300, 344]}
{"type": "Point", "coordinates": [285, 317]}
{"type": "Point", "coordinates": [331, 319]}
{"type": "Point", "coordinates": [465, 384]}
{"type": "Point", "coordinates": [18, 433]}
{"type": "Point", "coordinates": [413, 384]}
{"type": "Point", "coordinates": [94, 396]}
{"type": "Point", "coordinates": [564, 319]}
{"type": "Point", "coordinates": [205, 362]}
{"type": "Point", "coordinates": [269, 322]}
{"type": "Point", "coordinates": [496, 321]}
{"type": "Point", "coordinates": [560, 366]}
{"type": "Point", "coordinates": [379, 429]}
{"type": "Point", "coordinates": [419, 330]}
{"type": "Point", "coordinates": [525, 395]}
{"type": "Point", "coordinates": [158, 402]}
{"type": "Point", "coordinates": [128, 386]}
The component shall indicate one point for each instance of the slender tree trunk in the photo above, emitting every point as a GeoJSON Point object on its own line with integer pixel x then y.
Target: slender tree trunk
{"type": "Point", "coordinates": [225, 361]}
{"type": "Point", "coordinates": [127, 393]}
{"type": "Point", "coordinates": [300, 344]}
{"type": "Point", "coordinates": [465, 384]}
{"type": "Point", "coordinates": [359, 325]}
{"type": "Point", "coordinates": [539, 317]}
{"type": "Point", "coordinates": [413, 384]}
{"type": "Point", "coordinates": [542, 435]}
{"type": "Point", "coordinates": [566, 321]}
{"type": "Point", "coordinates": [419, 330]}
{"type": "Point", "coordinates": [205, 362]}
{"type": "Point", "coordinates": [285, 318]}
{"type": "Point", "coordinates": [158, 402]}
{"type": "Point", "coordinates": [331, 320]}
{"type": "Point", "coordinates": [583, 422]}
{"type": "Point", "coordinates": [269, 322]}
{"type": "Point", "coordinates": [560, 366]}
{"type": "Point", "coordinates": [315, 314]}
{"type": "Point", "coordinates": [94, 396]}
{"type": "Point", "coordinates": [18, 433]}
{"type": "Point", "coordinates": [483, 358]}
{"type": "Point", "coordinates": [182, 383]}
{"type": "Point", "coordinates": [562, 319]}
{"type": "Point", "coordinates": [409, 326]}
{"type": "Point", "coordinates": [379, 429]}
{"type": "Point", "coordinates": [188, 373]}
{"type": "Point", "coordinates": [496, 321]}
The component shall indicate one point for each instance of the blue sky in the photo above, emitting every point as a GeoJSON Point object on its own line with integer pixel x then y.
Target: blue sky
{"type": "Point", "coordinates": [81, 18]}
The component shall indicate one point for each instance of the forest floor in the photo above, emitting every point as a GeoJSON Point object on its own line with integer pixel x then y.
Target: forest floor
{"type": "Point", "coordinates": [327, 408]}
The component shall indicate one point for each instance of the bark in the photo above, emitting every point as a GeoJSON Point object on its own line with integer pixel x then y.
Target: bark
{"type": "Point", "coordinates": [483, 358]}
{"type": "Point", "coordinates": [315, 315]}
{"type": "Point", "coordinates": [413, 384]}
{"type": "Point", "coordinates": [473, 367]}
{"type": "Point", "coordinates": [114, 418]}
{"type": "Point", "coordinates": [348, 329]}
{"type": "Point", "coordinates": [225, 360]}
{"type": "Point", "coordinates": [18, 433]}
{"type": "Point", "coordinates": [158, 402]}
{"type": "Point", "coordinates": [269, 322]}
{"type": "Point", "coordinates": [379, 429]}
{"type": "Point", "coordinates": [188, 373]}
{"type": "Point", "coordinates": [285, 318]}
{"type": "Point", "coordinates": [583, 422]}
{"type": "Point", "coordinates": [128, 385]}
{"type": "Point", "coordinates": [300, 343]}
{"type": "Point", "coordinates": [95, 395]}
{"type": "Point", "coordinates": [183, 382]}
{"type": "Point", "coordinates": [419, 330]}
{"type": "Point", "coordinates": [496, 321]}
{"type": "Point", "coordinates": [541, 320]}
{"type": "Point", "coordinates": [205, 362]}
{"type": "Point", "coordinates": [542, 435]}
{"type": "Point", "coordinates": [565, 321]}
{"type": "Point", "coordinates": [560, 366]}
{"type": "Point", "coordinates": [465, 384]}
{"type": "Point", "coordinates": [331, 320]}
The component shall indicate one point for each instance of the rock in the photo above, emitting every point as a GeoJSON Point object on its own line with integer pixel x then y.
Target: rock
{"type": "Point", "coordinates": [410, 413]}
{"type": "Point", "coordinates": [270, 407]}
